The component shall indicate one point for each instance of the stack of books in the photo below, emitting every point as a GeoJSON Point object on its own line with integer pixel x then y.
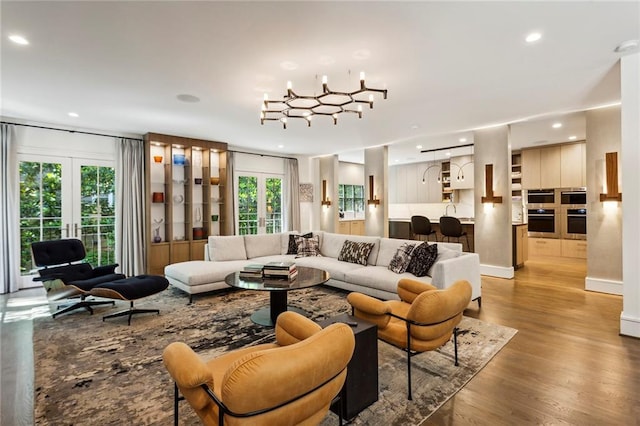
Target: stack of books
{"type": "Point", "coordinates": [252, 271]}
{"type": "Point", "coordinates": [280, 271]}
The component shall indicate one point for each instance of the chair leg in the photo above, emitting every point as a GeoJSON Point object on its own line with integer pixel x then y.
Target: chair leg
{"type": "Point", "coordinates": [130, 312]}
{"type": "Point", "coordinates": [86, 304]}
{"type": "Point", "coordinates": [175, 404]}
{"type": "Point", "coordinates": [455, 344]}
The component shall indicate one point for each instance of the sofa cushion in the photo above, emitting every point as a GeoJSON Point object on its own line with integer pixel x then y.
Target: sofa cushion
{"type": "Point", "coordinates": [308, 246]}
{"type": "Point", "coordinates": [388, 249]}
{"type": "Point", "coordinates": [336, 268]}
{"type": "Point", "coordinates": [444, 254]}
{"type": "Point", "coordinates": [379, 278]}
{"type": "Point", "coordinates": [292, 246]}
{"type": "Point", "coordinates": [227, 248]}
{"type": "Point", "coordinates": [331, 245]}
{"type": "Point", "coordinates": [401, 260]}
{"type": "Point", "coordinates": [422, 259]}
{"type": "Point", "coordinates": [355, 252]}
{"type": "Point", "coordinates": [199, 272]}
{"type": "Point", "coordinates": [262, 245]}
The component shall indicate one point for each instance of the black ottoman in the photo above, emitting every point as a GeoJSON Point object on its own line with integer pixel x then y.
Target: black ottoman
{"type": "Point", "coordinates": [131, 289]}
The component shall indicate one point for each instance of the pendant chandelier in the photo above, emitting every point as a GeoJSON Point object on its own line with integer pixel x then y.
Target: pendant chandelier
{"type": "Point", "coordinates": [328, 103]}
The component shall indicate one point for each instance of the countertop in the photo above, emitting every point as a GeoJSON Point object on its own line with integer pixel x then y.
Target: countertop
{"type": "Point", "coordinates": [463, 220]}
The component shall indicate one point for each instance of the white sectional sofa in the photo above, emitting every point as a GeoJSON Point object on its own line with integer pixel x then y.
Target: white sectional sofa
{"type": "Point", "coordinates": [227, 254]}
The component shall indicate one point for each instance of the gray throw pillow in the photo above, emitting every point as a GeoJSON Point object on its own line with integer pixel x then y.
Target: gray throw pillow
{"type": "Point", "coordinates": [308, 246]}
{"type": "Point", "coordinates": [401, 259]}
{"type": "Point", "coordinates": [422, 258]}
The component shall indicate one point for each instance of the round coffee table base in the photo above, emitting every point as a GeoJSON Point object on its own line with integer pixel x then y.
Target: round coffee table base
{"type": "Point", "coordinates": [263, 316]}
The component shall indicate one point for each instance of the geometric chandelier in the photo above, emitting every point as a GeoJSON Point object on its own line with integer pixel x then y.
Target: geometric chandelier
{"type": "Point", "coordinates": [328, 103]}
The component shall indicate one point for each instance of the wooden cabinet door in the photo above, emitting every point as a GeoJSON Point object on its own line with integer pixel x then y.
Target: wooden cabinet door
{"type": "Point", "coordinates": [344, 227]}
{"type": "Point", "coordinates": [572, 165]}
{"type": "Point", "coordinates": [531, 168]}
{"type": "Point", "coordinates": [550, 167]}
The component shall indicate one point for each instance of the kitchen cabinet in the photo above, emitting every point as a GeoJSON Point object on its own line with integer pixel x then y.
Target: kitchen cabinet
{"type": "Point", "coordinates": [445, 174]}
{"type": "Point", "coordinates": [573, 165]}
{"type": "Point", "coordinates": [406, 186]}
{"type": "Point", "coordinates": [541, 167]}
{"type": "Point", "coordinates": [185, 180]}
{"type": "Point", "coordinates": [574, 248]}
{"type": "Point", "coordinates": [351, 227]}
{"type": "Point", "coordinates": [462, 172]}
{"type": "Point", "coordinates": [545, 247]}
{"type": "Point", "coordinates": [400, 229]}
{"type": "Point", "coordinates": [557, 166]}
{"type": "Point", "coordinates": [516, 176]}
{"type": "Point", "coordinates": [520, 245]}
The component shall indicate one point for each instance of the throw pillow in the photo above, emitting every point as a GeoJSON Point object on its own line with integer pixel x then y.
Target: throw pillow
{"type": "Point", "coordinates": [422, 258]}
{"type": "Point", "coordinates": [401, 259]}
{"type": "Point", "coordinates": [293, 244]}
{"type": "Point", "coordinates": [308, 246]}
{"type": "Point", "coordinates": [355, 252]}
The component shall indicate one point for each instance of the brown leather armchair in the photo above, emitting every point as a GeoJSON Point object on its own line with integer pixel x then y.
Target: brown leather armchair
{"type": "Point", "coordinates": [423, 320]}
{"type": "Point", "coordinates": [289, 382]}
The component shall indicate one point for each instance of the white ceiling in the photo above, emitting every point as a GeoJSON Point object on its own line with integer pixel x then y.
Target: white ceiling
{"type": "Point", "coordinates": [449, 67]}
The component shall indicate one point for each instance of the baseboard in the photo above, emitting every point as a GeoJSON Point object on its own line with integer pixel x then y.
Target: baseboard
{"type": "Point", "coordinates": [629, 326]}
{"type": "Point", "coordinates": [603, 286]}
{"type": "Point", "coordinates": [496, 271]}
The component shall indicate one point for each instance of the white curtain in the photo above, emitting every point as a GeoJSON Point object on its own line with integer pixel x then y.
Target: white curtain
{"type": "Point", "coordinates": [130, 207]}
{"type": "Point", "coordinates": [9, 211]}
{"type": "Point", "coordinates": [291, 196]}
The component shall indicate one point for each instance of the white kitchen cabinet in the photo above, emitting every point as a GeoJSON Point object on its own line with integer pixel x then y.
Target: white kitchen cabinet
{"type": "Point", "coordinates": [462, 169]}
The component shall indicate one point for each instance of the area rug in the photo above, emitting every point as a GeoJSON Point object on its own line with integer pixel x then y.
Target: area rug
{"type": "Point", "coordinates": [92, 372]}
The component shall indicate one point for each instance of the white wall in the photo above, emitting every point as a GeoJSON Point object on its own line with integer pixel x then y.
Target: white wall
{"type": "Point", "coordinates": [376, 165]}
{"type": "Point", "coordinates": [350, 174]}
{"type": "Point", "coordinates": [630, 88]}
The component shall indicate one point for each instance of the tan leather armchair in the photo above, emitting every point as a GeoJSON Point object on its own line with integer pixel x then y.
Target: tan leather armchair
{"type": "Point", "coordinates": [289, 382]}
{"type": "Point", "coordinates": [423, 320]}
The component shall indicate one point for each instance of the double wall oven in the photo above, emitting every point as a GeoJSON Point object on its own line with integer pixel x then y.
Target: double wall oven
{"type": "Point", "coordinates": [557, 213]}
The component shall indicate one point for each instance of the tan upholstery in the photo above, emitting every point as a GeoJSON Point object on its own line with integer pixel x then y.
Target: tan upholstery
{"type": "Point", "coordinates": [305, 359]}
{"type": "Point", "coordinates": [431, 315]}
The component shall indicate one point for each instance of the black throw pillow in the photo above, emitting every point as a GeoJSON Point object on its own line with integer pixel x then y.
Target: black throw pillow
{"type": "Point", "coordinates": [422, 259]}
{"type": "Point", "coordinates": [292, 248]}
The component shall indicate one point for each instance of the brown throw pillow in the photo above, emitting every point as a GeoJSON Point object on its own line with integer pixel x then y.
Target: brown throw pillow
{"type": "Point", "coordinates": [422, 258]}
{"type": "Point", "coordinates": [401, 259]}
{"type": "Point", "coordinates": [354, 252]}
{"type": "Point", "coordinates": [292, 248]}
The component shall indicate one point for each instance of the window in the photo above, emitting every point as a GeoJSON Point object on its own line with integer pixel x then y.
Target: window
{"type": "Point", "coordinates": [351, 199]}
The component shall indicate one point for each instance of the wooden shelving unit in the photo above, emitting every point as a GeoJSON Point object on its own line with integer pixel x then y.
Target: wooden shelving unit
{"type": "Point", "coordinates": [446, 182]}
{"type": "Point", "coordinates": [516, 176]}
{"type": "Point", "coordinates": [185, 180]}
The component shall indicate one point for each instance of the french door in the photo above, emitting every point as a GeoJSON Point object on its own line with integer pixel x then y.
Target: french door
{"type": "Point", "coordinates": [63, 197]}
{"type": "Point", "coordinates": [259, 203]}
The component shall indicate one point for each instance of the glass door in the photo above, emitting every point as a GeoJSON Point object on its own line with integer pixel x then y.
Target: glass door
{"type": "Point", "coordinates": [66, 198]}
{"type": "Point", "coordinates": [259, 203]}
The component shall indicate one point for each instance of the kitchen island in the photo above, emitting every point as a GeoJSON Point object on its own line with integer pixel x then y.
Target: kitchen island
{"type": "Point", "coordinates": [401, 228]}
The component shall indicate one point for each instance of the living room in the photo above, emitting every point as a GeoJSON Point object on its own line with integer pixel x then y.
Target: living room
{"type": "Point", "coordinates": [218, 118]}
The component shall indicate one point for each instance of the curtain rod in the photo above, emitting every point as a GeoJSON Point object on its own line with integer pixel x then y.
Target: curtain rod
{"type": "Point", "coordinates": [264, 155]}
{"type": "Point", "coordinates": [67, 130]}
{"type": "Point", "coordinates": [446, 148]}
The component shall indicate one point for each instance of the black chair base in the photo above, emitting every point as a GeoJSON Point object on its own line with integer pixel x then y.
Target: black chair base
{"type": "Point", "coordinates": [130, 312]}
{"type": "Point", "coordinates": [86, 304]}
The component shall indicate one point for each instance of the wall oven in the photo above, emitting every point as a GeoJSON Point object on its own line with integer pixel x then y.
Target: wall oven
{"type": "Point", "coordinates": [573, 197]}
{"type": "Point", "coordinates": [574, 223]}
{"type": "Point", "coordinates": [541, 197]}
{"type": "Point", "coordinates": [543, 222]}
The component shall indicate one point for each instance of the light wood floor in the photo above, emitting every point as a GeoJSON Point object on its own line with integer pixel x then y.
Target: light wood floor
{"type": "Point", "coordinates": [566, 365]}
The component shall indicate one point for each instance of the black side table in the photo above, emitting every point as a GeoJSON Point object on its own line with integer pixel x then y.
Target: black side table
{"type": "Point", "coordinates": [361, 386]}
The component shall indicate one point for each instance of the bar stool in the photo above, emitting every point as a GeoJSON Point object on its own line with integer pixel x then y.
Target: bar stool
{"type": "Point", "coordinates": [451, 227]}
{"type": "Point", "coordinates": [421, 225]}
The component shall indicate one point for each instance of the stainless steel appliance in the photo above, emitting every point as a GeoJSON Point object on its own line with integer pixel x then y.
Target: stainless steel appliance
{"type": "Point", "coordinates": [573, 197]}
{"type": "Point", "coordinates": [543, 222]}
{"type": "Point", "coordinates": [542, 198]}
{"type": "Point", "coordinates": [574, 223]}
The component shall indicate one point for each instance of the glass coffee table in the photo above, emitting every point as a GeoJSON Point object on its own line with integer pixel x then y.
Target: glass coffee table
{"type": "Point", "coordinates": [307, 277]}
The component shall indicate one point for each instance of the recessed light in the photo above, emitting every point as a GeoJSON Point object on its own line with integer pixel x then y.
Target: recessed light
{"type": "Point", "coordinates": [448, 154]}
{"type": "Point", "coordinates": [573, 138]}
{"type": "Point", "coordinates": [288, 65]}
{"type": "Point", "coordinates": [419, 146]}
{"type": "Point", "coordinates": [73, 114]}
{"type": "Point", "coordinates": [556, 125]}
{"type": "Point", "coordinates": [626, 46]}
{"type": "Point", "coordinates": [188, 98]}
{"type": "Point", "coordinates": [415, 126]}
{"type": "Point", "coordinates": [462, 139]}
{"type": "Point", "coordinates": [18, 39]}
{"type": "Point", "coordinates": [533, 37]}
{"type": "Point", "coordinates": [280, 146]}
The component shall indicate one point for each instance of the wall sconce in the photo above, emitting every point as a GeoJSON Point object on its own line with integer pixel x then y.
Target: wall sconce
{"type": "Point", "coordinates": [611, 166]}
{"type": "Point", "coordinates": [373, 200]}
{"type": "Point", "coordinates": [325, 201]}
{"type": "Point", "coordinates": [488, 185]}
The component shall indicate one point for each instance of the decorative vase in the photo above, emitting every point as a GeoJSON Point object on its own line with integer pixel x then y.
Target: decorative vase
{"type": "Point", "coordinates": [156, 235]}
{"type": "Point", "coordinates": [198, 215]}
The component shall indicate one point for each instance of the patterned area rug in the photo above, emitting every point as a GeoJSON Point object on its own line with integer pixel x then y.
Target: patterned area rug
{"type": "Point", "coordinates": [92, 372]}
